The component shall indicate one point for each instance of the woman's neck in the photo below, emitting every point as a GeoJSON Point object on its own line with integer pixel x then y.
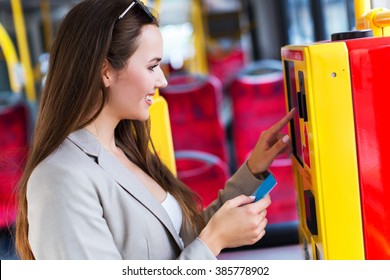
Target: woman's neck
{"type": "Point", "coordinates": [104, 131]}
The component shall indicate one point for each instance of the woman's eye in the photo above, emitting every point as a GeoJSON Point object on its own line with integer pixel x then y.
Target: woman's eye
{"type": "Point", "coordinates": [152, 67]}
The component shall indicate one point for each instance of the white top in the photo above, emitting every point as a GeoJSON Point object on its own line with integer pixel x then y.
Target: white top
{"type": "Point", "coordinates": [172, 206]}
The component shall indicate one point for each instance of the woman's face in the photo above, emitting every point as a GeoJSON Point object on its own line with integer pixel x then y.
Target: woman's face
{"type": "Point", "coordinates": [130, 94]}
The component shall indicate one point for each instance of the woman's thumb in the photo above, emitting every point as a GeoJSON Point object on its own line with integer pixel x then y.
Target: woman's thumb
{"type": "Point", "coordinates": [241, 200]}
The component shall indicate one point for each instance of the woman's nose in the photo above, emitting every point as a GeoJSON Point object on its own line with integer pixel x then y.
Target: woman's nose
{"type": "Point", "coordinates": [161, 81]}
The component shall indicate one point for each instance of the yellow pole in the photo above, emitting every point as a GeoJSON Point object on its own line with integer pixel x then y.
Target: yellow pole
{"type": "Point", "coordinates": [47, 23]}
{"type": "Point", "coordinates": [200, 58]}
{"type": "Point", "coordinates": [361, 8]}
{"type": "Point", "coordinates": [24, 54]}
{"type": "Point", "coordinates": [11, 59]}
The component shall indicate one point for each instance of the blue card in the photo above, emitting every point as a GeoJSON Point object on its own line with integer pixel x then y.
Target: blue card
{"type": "Point", "coordinates": [265, 187]}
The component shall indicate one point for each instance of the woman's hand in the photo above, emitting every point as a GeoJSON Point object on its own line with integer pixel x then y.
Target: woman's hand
{"type": "Point", "coordinates": [238, 222]}
{"type": "Point", "coordinates": [271, 144]}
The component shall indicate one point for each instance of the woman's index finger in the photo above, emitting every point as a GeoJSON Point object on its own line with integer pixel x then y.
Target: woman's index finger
{"type": "Point", "coordinates": [277, 127]}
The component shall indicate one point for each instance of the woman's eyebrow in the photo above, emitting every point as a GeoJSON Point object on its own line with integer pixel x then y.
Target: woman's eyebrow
{"type": "Point", "coordinates": [156, 59]}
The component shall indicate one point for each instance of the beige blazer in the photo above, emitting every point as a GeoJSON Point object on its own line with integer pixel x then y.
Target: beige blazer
{"type": "Point", "coordinates": [84, 204]}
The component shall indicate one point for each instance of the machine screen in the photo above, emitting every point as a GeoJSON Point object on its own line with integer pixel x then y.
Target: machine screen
{"type": "Point", "coordinates": [293, 102]}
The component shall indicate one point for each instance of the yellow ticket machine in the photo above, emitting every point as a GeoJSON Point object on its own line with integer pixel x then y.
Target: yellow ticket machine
{"type": "Point", "coordinates": [317, 79]}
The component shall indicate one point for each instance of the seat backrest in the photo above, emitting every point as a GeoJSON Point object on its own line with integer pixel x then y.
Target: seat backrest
{"type": "Point", "coordinates": [204, 173]}
{"type": "Point", "coordinates": [14, 137]}
{"type": "Point", "coordinates": [258, 101]}
{"type": "Point", "coordinates": [161, 133]}
{"type": "Point", "coordinates": [194, 104]}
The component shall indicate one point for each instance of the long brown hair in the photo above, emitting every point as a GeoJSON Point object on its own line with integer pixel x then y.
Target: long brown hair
{"type": "Point", "coordinates": [74, 96]}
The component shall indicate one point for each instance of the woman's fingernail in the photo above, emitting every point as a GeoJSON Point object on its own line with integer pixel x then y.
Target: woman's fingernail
{"type": "Point", "coordinates": [285, 138]}
{"type": "Point", "coordinates": [252, 197]}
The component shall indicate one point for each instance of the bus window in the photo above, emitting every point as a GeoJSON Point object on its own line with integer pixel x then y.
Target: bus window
{"type": "Point", "coordinates": [300, 23]}
{"type": "Point", "coordinates": [380, 4]}
{"type": "Point", "coordinates": [336, 15]}
{"type": "Point", "coordinates": [315, 20]}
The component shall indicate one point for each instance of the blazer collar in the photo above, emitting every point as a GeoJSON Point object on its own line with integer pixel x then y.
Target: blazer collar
{"type": "Point", "coordinates": [128, 181]}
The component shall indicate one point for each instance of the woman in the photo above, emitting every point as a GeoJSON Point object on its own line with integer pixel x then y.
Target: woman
{"type": "Point", "coordinates": [92, 188]}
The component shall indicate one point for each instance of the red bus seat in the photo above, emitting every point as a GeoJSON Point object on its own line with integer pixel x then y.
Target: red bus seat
{"type": "Point", "coordinates": [14, 136]}
{"type": "Point", "coordinates": [194, 103]}
{"type": "Point", "coordinates": [204, 173]}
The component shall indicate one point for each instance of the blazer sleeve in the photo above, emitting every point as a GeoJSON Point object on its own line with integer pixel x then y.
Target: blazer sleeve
{"type": "Point", "coordinates": [242, 182]}
{"type": "Point", "coordinates": [197, 250]}
{"type": "Point", "coordinates": [65, 217]}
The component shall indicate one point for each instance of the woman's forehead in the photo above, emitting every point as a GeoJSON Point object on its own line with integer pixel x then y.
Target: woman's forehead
{"type": "Point", "coordinates": [150, 42]}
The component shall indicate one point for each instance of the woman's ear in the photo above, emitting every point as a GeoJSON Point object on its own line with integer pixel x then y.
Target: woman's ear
{"type": "Point", "coordinates": [107, 73]}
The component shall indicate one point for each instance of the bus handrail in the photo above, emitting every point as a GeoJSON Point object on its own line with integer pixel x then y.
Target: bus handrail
{"type": "Point", "coordinates": [17, 13]}
{"type": "Point", "coordinates": [376, 19]}
{"type": "Point", "coordinates": [11, 60]}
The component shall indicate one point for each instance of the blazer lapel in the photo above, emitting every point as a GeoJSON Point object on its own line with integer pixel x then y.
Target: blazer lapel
{"type": "Point", "coordinates": [91, 146]}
